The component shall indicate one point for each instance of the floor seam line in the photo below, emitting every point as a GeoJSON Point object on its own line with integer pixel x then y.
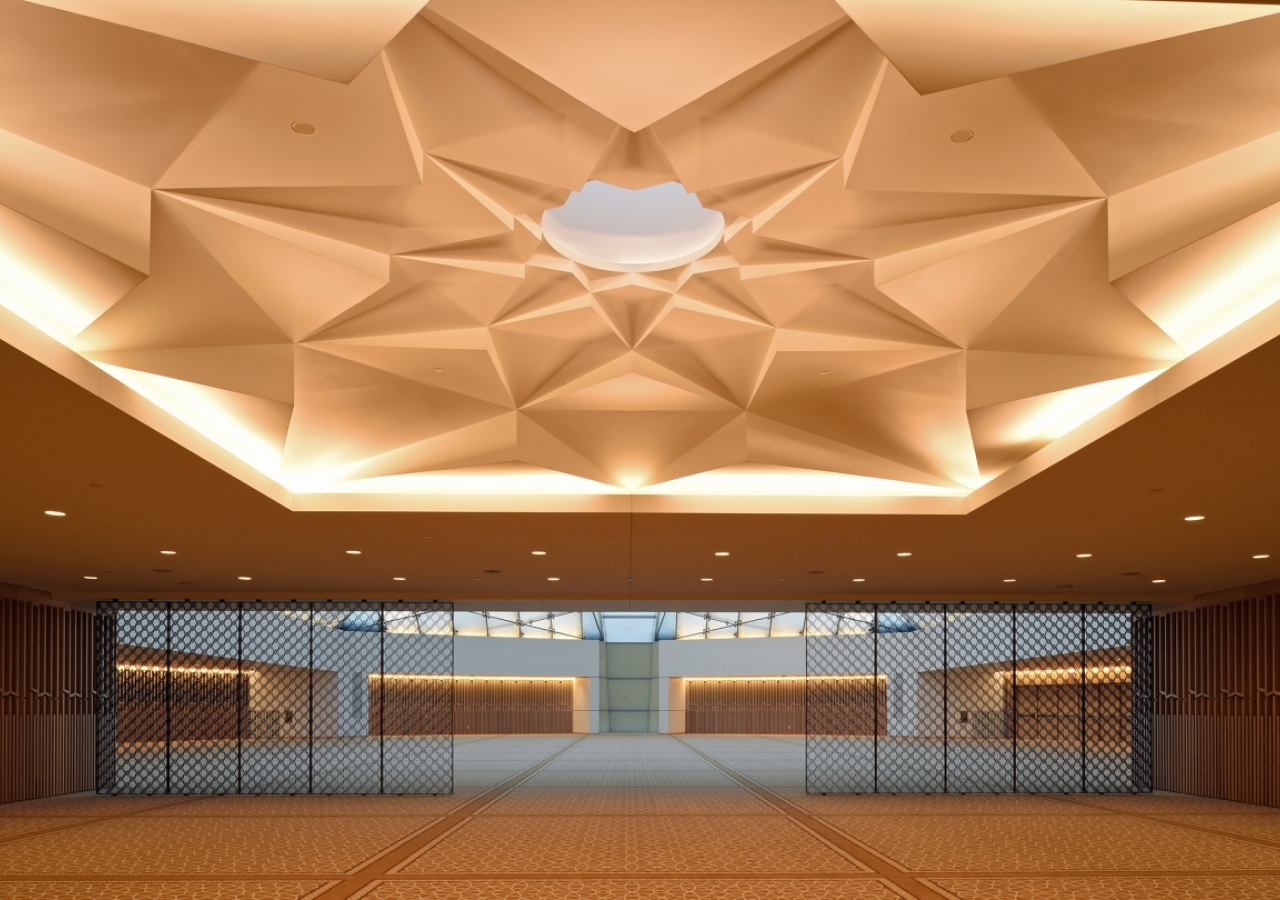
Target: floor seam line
{"type": "Point", "coordinates": [895, 873]}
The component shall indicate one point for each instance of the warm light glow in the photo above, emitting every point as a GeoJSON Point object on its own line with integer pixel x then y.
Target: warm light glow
{"type": "Point", "coordinates": [552, 578]}
{"type": "Point", "coordinates": [904, 554]}
{"type": "Point", "coordinates": [245, 578]}
{"type": "Point", "coordinates": [1194, 519]}
{"type": "Point", "coordinates": [53, 283]}
{"type": "Point", "coordinates": [781, 481]}
{"type": "Point", "coordinates": [1157, 581]}
{"type": "Point", "coordinates": [859, 579]}
{"type": "Point", "coordinates": [407, 676]}
{"type": "Point", "coordinates": [539, 552]}
{"type": "Point", "coordinates": [196, 670]}
{"type": "Point", "coordinates": [1058, 676]}
{"type": "Point", "coordinates": [169, 552]}
{"type": "Point", "coordinates": [1083, 555]}
{"type": "Point", "coordinates": [722, 553]}
{"type": "Point", "coordinates": [867, 677]}
{"type": "Point", "coordinates": [353, 553]}
{"type": "Point", "coordinates": [1067, 410]}
{"type": "Point", "coordinates": [91, 578]}
{"type": "Point", "coordinates": [1008, 580]}
{"type": "Point", "coordinates": [54, 512]}
{"type": "Point", "coordinates": [706, 579]}
{"type": "Point", "coordinates": [211, 412]}
{"type": "Point", "coordinates": [1262, 556]}
{"type": "Point", "coordinates": [397, 578]}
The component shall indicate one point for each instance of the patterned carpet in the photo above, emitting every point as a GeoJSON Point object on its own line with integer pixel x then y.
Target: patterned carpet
{"type": "Point", "coordinates": [632, 817]}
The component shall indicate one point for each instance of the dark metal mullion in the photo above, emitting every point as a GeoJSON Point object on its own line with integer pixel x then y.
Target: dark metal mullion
{"type": "Point", "coordinates": [240, 711]}
{"type": "Point", "coordinates": [1013, 618]}
{"type": "Point", "coordinates": [311, 677]}
{"type": "Point", "coordinates": [382, 693]}
{"type": "Point", "coordinates": [1084, 746]}
{"type": "Point", "coordinates": [946, 715]}
{"type": "Point", "coordinates": [875, 696]}
{"type": "Point", "coordinates": [168, 691]}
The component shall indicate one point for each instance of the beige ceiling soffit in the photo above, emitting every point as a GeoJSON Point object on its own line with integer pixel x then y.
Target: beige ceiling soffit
{"type": "Point", "coordinates": [641, 61]}
{"type": "Point", "coordinates": [904, 302]}
{"type": "Point", "coordinates": [1263, 327]}
{"type": "Point", "coordinates": [943, 44]}
{"type": "Point", "coordinates": [39, 346]}
{"type": "Point", "coordinates": [334, 40]}
{"type": "Point", "coordinates": [1167, 213]}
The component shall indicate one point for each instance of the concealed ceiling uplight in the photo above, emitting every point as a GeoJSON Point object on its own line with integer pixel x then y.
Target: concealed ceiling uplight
{"type": "Point", "coordinates": [91, 578]}
{"type": "Point", "coordinates": [1083, 555]}
{"type": "Point", "coordinates": [1262, 556]}
{"type": "Point", "coordinates": [1194, 519]}
{"type": "Point", "coordinates": [706, 579]}
{"type": "Point", "coordinates": [722, 553]}
{"type": "Point", "coordinates": [397, 578]}
{"type": "Point", "coordinates": [859, 579]}
{"type": "Point", "coordinates": [960, 137]}
{"type": "Point", "coordinates": [1157, 581]}
{"type": "Point", "coordinates": [539, 552]}
{"type": "Point", "coordinates": [353, 553]}
{"type": "Point", "coordinates": [303, 127]}
{"type": "Point", "coordinates": [1008, 580]}
{"type": "Point", "coordinates": [904, 554]}
{"type": "Point", "coordinates": [54, 512]}
{"type": "Point", "coordinates": [244, 577]}
{"type": "Point", "coordinates": [169, 552]}
{"type": "Point", "coordinates": [552, 578]}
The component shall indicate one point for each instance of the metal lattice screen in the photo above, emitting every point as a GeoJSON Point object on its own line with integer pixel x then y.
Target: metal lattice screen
{"type": "Point", "coordinates": [978, 698]}
{"type": "Point", "coordinates": [274, 698]}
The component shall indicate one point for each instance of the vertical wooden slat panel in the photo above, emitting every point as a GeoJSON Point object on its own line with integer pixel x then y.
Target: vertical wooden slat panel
{"type": "Point", "coordinates": [1217, 729]}
{"type": "Point", "coordinates": [46, 730]}
{"type": "Point", "coordinates": [745, 706]}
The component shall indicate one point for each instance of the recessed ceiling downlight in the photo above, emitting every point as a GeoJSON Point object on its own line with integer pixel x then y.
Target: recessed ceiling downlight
{"type": "Point", "coordinates": [619, 230]}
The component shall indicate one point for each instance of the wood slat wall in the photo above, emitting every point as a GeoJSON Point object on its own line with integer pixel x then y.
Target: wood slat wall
{"type": "Point", "coordinates": [744, 706]}
{"type": "Point", "coordinates": [512, 706]}
{"type": "Point", "coordinates": [1217, 701]}
{"type": "Point", "coordinates": [46, 700]}
{"type": "Point", "coordinates": [480, 706]}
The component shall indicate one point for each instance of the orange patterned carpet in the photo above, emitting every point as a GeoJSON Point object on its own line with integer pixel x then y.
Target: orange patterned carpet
{"type": "Point", "coordinates": [634, 817]}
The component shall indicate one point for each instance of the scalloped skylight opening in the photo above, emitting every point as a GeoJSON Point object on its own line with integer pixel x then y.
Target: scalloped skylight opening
{"type": "Point", "coordinates": [619, 230]}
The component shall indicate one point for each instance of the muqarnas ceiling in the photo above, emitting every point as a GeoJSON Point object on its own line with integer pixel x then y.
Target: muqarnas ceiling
{"type": "Point", "coordinates": [934, 279]}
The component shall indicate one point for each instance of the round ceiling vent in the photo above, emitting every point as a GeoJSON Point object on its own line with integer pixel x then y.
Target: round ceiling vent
{"type": "Point", "coordinates": [618, 230]}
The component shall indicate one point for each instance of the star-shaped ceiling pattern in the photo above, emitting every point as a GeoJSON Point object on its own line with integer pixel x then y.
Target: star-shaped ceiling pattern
{"type": "Point", "coordinates": [335, 273]}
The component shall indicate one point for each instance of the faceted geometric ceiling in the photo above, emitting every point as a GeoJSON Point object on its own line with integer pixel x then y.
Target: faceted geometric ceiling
{"type": "Point", "coordinates": [310, 248]}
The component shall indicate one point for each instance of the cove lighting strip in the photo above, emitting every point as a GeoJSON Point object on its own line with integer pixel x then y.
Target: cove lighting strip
{"type": "Point", "coordinates": [1096, 673]}
{"type": "Point", "coordinates": [195, 670]}
{"type": "Point", "coordinates": [880, 677]}
{"type": "Point", "coordinates": [408, 677]}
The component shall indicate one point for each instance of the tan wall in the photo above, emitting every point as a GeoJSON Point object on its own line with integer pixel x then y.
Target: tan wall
{"type": "Point", "coordinates": [1217, 701]}
{"type": "Point", "coordinates": [46, 699]}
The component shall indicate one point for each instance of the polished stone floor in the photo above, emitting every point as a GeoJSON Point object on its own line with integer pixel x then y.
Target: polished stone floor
{"type": "Point", "coordinates": [618, 816]}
